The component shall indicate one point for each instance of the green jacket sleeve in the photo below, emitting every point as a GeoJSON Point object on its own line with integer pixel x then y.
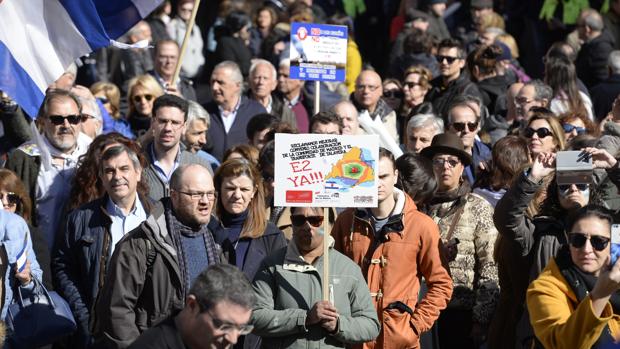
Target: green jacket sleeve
{"type": "Point", "coordinates": [267, 321]}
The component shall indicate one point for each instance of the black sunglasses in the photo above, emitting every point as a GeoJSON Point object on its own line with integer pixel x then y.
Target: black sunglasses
{"type": "Point", "coordinates": [449, 59]}
{"type": "Point", "coordinates": [541, 132]}
{"type": "Point", "coordinates": [60, 119]}
{"type": "Point", "coordinates": [12, 198]}
{"type": "Point", "coordinates": [566, 187]}
{"type": "Point", "coordinates": [393, 94]}
{"type": "Point", "coordinates": [578, 240]}
{"type": "Point", "coordinates": [460, 126]}
{"type": "Point", "coordinates": [299, 220]}
{"type": "Point", "coordinates": [138, 98]}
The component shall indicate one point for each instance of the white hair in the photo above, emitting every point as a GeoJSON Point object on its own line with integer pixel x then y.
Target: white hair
{"type": "Point", "coordinates": [234, 70]}
{"type": "Point", "coordinates": [426, 120]}
{"type": "Point", "coordinates": [258, 61]}
{"type": "Point", "coordinates": [197, 112]}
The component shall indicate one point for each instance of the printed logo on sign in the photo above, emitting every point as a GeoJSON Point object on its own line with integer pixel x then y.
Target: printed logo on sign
{"type": "Point", "coordinates": [299, 196]}
{"type": "Point", "coordinates": [302, 33]}
{"type": "Point", "coordinates": [315, 31]}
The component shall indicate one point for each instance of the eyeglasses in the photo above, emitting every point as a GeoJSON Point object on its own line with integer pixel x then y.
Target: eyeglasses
{"type": "Point", "coordinates": [578, 240]}
{"type": "Point", "coordinates": [441, 162]}
{"type": "Point", "coordinates": [369, 87]}
{"type": "Point", "coordinates": [60, 119]}
{"type": "Point", "coordinates": [563, 188]}
{"type": "Point", "coordinates": [174, 123]}
{"type": "Point", "coordinates": [448, 59]}
{"type": "Point", "coordinates": [541, 132]}
{"type": "Point", "coordinates": [138, 98]}
{"type": "Point", "coordinates": [460, 126]}
{"type": "Point", "coordinates": [199, 194]}
{"type": "Point", "coordinates": [411, 84]}
{"type": "Point", "coordinates": [568, 128]}
{"type": "Point", "coordinates": [85, 117]}
{"type": "Point", "coordinates": [12, 198]}
{"type": "Point", "coordinates": [523, 100]}
{"type": "Point", "coordinates": [393, 94]}
{"type": "Point", "coordinates": [299, 220]}
{"type": "Point", "coordinates": [227, 328]}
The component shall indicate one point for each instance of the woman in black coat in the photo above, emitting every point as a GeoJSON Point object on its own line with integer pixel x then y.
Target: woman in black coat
{"type": "Point", "coordinates": [232, 45]}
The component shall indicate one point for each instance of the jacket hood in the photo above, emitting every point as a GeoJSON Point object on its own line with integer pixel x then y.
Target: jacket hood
{"type": "Point", "coordinates": [157, 226]}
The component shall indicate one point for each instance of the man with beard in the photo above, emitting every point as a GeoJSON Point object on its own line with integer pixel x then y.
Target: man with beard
{"type": "Point", "coordinates": [166, 152]}
{"type": "Point", "coordinates": [47, 164]}
{"type": "Point", "coordinates": [152, 268]}
{"type": "Point", "coordinates": [78, 267]}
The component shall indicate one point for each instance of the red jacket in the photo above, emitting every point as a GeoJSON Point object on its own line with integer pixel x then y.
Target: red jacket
{"type": "Point", "coordinates": [394, 268]}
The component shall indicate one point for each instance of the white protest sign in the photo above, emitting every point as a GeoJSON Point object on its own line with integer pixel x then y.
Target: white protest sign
{"type": "Point", "coordinates": [320, 170]}
{"type": "Point", "coordinates": [318, 52]}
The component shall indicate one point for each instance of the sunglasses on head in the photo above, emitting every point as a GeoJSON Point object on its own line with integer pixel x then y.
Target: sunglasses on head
{"type": "Point", "coordinates": [299, 220]}
{"type": "Point", "coordinates": [460, 126]}
{"type": "Point", "coordinates": [563, 188]}
{"type": "Point", "coordinates": [448, 59]}
{"type": "Point", "coordinates": [12, 198]}
{"type": "Point", "coordinates": [568, 128]}
{"type": "Point", "coordinates": [578, 240]}
{"type": "Point", "coordinates": [541, 132]}
{"type": "Point", "coordinates": [393, 94]}
{"type": "Point", "coordinates": [138, 98]}
{"type": "Point", "coordinates": [60, 119]}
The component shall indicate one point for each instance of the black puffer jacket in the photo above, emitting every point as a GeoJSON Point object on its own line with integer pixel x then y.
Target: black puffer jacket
{"type": "Point", "coordinates": [442, 97]}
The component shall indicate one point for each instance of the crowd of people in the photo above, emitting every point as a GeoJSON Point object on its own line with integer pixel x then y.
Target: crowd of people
{"type": "Point", "coordinates": [147, 203]}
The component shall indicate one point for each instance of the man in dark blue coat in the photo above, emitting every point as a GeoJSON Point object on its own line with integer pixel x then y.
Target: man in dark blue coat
{"type": "Point", "coordinates": [230, 111]}
{"type": "Point", "coordinates": [88, 236]}
{"type": "Point", "coordinates": [604, 94]}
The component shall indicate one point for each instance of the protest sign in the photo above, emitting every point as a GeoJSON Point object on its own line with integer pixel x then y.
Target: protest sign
{"type": "Point", "coordinates": [318, 52]}
{"type": "Point", "coordinates": [320, 170]}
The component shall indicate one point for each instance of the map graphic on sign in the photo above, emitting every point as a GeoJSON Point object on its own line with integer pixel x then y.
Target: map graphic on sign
{"type": "Point", "coordinates": [355, 168]}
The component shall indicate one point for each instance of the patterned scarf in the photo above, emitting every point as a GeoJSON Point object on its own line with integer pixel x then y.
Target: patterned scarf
{"type": "Point", "coordinates": [176, 229]}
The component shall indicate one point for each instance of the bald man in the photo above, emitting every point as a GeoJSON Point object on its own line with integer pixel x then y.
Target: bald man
{"type": "Point", "coordinates": [367, 98]}
{"type": "Point", "coordinates": [349, 116]}
{"type": "Point", "coordinates": [152, 268]}
{"type": "Point", "coordinates": [591, 63]}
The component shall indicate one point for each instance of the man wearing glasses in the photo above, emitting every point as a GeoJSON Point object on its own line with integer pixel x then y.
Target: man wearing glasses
{"type": "Point", "coordinates": [367, 98]}
{"type": "Point", "coordinates": [47, 164]}
{"type": "Point", "coordinates": [152, 268]}
{"type": "Point", "coordinates": [166, 152]}
{"type": "Point", "coordinates": [290, 312]}
{"type": "Point", "coordinates": [452, 82]}
{"type": "Point", "coordinates": [216, 313]}
{"type": "Point", "coordinates": [464, 121]}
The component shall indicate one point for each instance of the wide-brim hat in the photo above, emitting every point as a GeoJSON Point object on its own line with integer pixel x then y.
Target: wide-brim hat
{"type": "Point", "coordinates": [447, 143]}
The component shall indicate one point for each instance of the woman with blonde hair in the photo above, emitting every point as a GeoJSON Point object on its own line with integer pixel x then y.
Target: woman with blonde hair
{"type": "Point", "coordinates": [143, 90]}
{"type": "Point", "coordinates": [110, 97]}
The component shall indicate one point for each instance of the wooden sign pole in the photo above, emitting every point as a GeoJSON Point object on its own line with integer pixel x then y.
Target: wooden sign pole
{"type": "Point", "coordinates": [188, 32]}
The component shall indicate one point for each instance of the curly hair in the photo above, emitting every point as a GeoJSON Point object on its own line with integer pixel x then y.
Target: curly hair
{"type": "Point", "coordinates": [86, 184]}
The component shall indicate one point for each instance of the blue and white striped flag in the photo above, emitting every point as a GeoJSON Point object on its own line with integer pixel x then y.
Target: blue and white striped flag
{"type": "Point", "coordinates": [39, 39]}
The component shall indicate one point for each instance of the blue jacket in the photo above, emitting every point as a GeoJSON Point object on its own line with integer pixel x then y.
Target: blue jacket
{"type": "Point", "coordinates": [218, 139]}
{"type": "Point", "coordinates": [80, 259]}
{"type": "Point", "coordinates": [13, 230]}
{"type": "Point", "coordinates": [480, 153]}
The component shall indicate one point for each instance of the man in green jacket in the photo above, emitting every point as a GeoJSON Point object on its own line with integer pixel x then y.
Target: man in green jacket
{"type": "Point", "coordinates": [289, 311]}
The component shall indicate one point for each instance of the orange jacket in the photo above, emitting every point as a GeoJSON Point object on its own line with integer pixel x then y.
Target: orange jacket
{"type": "Point", "coordinates": [393, 270]}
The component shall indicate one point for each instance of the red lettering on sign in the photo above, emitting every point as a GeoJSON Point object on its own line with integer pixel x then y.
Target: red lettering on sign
{"type": "Point", "coordinates": [299, 196]}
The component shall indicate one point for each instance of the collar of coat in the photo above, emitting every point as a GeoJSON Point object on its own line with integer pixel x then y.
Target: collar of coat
{"type": "Point", "coordinates": [395, 222]}
{"type": "Point", "coordinates": [294, 261]}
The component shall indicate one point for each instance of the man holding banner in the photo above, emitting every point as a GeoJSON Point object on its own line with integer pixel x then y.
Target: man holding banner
{"type": "Point", "coordinates": [394, 244]}
{"type": "Point", "coordinates": [289, 311]}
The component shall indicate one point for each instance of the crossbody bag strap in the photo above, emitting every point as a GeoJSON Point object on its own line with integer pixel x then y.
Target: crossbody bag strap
{"type": "Point", "coordinates": [457, 218]}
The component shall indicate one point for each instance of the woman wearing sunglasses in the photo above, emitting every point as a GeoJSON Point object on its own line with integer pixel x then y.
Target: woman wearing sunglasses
{"type": "Point", "coordinates": [143, 90]}
{"type": "Point", "coordinates": [575, 124]}
{"type": "Point", "coordinates": [574, 302]}
{"type": "Point", "coordinates": [16, 200]}
{"type": "Point", "coordinates": [537, 229]}
{"type": "Point", "coordinates": [544, 133]}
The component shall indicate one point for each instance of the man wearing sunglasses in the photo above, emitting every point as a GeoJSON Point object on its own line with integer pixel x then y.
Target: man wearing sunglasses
{"type": "Point", "coordinates": [290, 312]}
{"type": "Point", "coordinates": [465, 123]}
{"type": "Point", "coordinates": [452, 82]}
{"type": "Point", "coordinates": [217, 312]}
{"type": "Point", "coordinates": [149, 275]}
{"type": "Point", "coordinates": [46, 165]}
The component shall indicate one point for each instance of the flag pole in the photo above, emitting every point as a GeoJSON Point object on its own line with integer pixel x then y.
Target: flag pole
{"type": "Point", "coordinates": [188, 32]}
{"type": "Point", "coordinates": [326, 234]}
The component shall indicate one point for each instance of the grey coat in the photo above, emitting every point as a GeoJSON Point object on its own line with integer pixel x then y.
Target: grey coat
{"type": "Point", "coordinates": [287, 287]}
